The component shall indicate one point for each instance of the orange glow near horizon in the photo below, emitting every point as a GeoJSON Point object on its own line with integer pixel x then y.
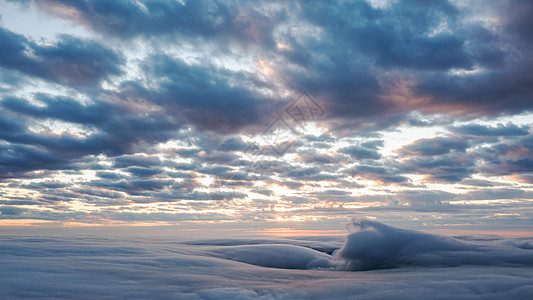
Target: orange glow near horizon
{"type": "Point", "coordinates": [23, 222]}
{"type": "Point", "coordinates": [451, 230]}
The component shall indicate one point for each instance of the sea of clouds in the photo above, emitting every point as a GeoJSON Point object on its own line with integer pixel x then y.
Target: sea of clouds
{"type": "Point", "coordinates": [374, 261]}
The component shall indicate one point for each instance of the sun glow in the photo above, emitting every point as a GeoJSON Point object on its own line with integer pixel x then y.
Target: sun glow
{"type": "Point", "coordinates": [264, 68]}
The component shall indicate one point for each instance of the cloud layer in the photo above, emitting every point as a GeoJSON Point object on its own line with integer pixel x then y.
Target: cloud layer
{"type": "Point", "coordinates": [75, 263]}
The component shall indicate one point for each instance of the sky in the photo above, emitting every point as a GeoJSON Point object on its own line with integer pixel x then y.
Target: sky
{"type": "Point", "coordinates": [265, 115]}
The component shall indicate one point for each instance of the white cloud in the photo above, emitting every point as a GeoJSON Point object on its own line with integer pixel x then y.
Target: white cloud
{"type": "Point", "coordinates": [66, 264]}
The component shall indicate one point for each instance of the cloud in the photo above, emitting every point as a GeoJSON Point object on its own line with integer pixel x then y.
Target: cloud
{"type": "Point", "coordinates": [132, 262]}
{"type": "Point", "coordinates": [278, 256]}
{"type": "Point", "coordinates": [425, 198]}
{"type": "Point", "coordinates": [474, 95]}
{"type": "Point", "coordinates": [508, 158]}
{"type": "Point", "coordinates": [157, 98]}
{"type": "Point", "coordinates": [69, 60]}
{"type": "Point", "coordinates": [132, 187]}
{"type": "Point", "coordinates": [218, 19]}
{"type": "Point", "coordinates": [425, 45]}
{"type": "Point", "coordinates": [434, 146]}
{"type": "Point", "coordinates": [515, 15]}
{"type": "Point", "coordinates": [18, 159]}
{"type": "Point", "coordinates": [500, 130]}
{"type": "Point", "coordinates": [61, 108]}
{"type": "Point", "coordinates": [137, 160]}
{"type": "Point", "coordinates": [445, 168]}
{"type": "Point", "coordinates": [358, 152]}
{"type": "Point", "coordinates": [379, 173]}
{"type": "Point", "coordinates": [144, 172]}
{"type": "Point", "coordinates": [11, 210]}
{"type": "Point", "coordinates": [106, 127]}
{"type": "Point", "coordinates": [378, 246]}
{"type": "Point", "coordinates": [317, 158]}
{"type": "Point", "coordinates": [393, 39]}
{"type": "Point", "coordinates": [207, 96]}
{"type": "Point", "coordinates": [394, 31]}
{"type": "Point", "coordinates": [233, 144]}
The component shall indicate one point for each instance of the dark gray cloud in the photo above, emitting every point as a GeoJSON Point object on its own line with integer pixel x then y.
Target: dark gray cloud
{"type": "Point", "coordinates": [233, 144]}
{"type": "Point", "coordinates": [132, 187]}
{"type": "Point", "coordinates": [509, 158]}
{"type": "Point", "coordinates": [397, 36]}
{"type": "Point", "coordinates": [221, 20]}
{"type": "Point", "coordinates": [70, 60]}
{"type": "Point", "coordinates": [476, 94]}
{"type": "Point", "coordinates": [300, 173]}
{"type": "Point", "coordinates": [137, 160]}
{"type": "Point", "coordinates": [500, 130]}
{"type": "Point", "coordinates": [116, 128]}
{"type": "Point", "coordinates": [515, 14]}
{"type": "Point", "coordinates": [401, 37]}
{"type": "Point", "coordinates": [358, 152]}
{"type": "Point", "coordinates": [420, 41]}
{"type": "Point", "coordinates": [209, 97]}
{"type": "Point", "coordinates": [318, 158]}
{"type": "Point", "coordinates": [434, 146]}
{"type": "Point", "coordinates": [15, 160]}
{"type": "Point", "coordinates": [62, 108]}
{"type": "Point", "coordinates": [445, 168]}
{"type": "Point", "coordinates": [144, 172]}
{"type": "Point", "coordinates": [11, 210]}
{"type": "Point", "coordinates": [383, 174]}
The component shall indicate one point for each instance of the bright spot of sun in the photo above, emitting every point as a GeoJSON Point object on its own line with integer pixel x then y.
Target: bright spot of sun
{"type": "Point", "coordinates": [206, 181]}
{"type": "Point", "coordinates": [264, 68]}
{"type": "Point", "coordinates": [283, 46]}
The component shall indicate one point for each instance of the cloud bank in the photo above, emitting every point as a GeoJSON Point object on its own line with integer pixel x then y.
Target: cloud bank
{"type": "Point", "coordinates": [138, 264]}
{"type": "Point", "coordinates": [379, 246]}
